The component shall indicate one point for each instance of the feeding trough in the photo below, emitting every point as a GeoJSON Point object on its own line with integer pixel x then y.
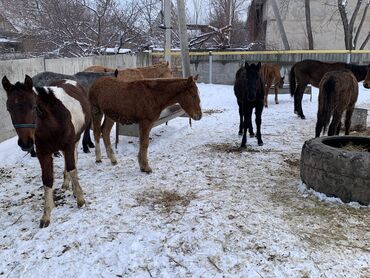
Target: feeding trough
{"type": "Point", "coordinates": [338, 166]}
{"type": "Point", "coordinates": [358, 120]}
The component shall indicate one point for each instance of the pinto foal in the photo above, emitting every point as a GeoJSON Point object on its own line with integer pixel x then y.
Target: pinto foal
{"type": "Point", "coordinates": [53, 119]}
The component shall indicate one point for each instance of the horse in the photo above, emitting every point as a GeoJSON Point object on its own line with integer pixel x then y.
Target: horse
{"type": "Point", "coordinates": [160, 70]}
{"type": "Point", "coordinates": [338, 91]}
{"type": "Point", "coordinates": [270, 74]}
{"type": "Point", "coordinates": [52, 119]}
{"type": "Point", "coordinates": [85, 79]}
{"type": "Point", "coordinates": [366, 83]}
{"type": "Point", "coordinates": [138, 102]}
{"type": "Point", "coordinates": [248, 89]}
{"type": "Point", "coordinates": [311, 72]}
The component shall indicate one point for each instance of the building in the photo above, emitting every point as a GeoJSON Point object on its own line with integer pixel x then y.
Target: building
{"type": "Point", "coordinates": [8, 34]}
{"type": "Point", "coordinates": [327, 27]}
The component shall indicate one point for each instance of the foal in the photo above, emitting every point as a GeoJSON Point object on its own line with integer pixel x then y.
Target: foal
{"type": "Point", "coordinates": [270, 74]}
{"type": "Point", "coordinates": [338, 92]}
{"type": "Point", "coordinates": [53, 119]}
{"type": "Point", "coordinates": [248, 89]}
{"type": "Point", "coordinates": [138, 102]}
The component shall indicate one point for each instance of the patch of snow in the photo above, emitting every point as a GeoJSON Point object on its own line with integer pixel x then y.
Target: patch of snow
{"type": "Point", "coordinates": [207, 210]}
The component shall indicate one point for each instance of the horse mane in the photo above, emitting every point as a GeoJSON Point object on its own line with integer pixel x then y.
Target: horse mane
{"type": "Point", "coordinates": [359, 71]}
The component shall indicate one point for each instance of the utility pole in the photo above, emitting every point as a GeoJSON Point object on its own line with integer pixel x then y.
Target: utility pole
{"type": "Point", "coordinates": [280, 24]}
{"type": "Point", "coordinates": [168, 27]}
{"type": "Point", "coordinates": [183, 39]}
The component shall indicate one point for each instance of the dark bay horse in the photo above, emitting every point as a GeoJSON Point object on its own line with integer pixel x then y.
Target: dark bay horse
{"type": "Point", "coordinates": [85, 79]}
{"type": "Point", "coordinates": [270, 74]}
{"type": "Point", "coordinates": [138, 102]}
{"type": "Point", "coordinates": [249, 92]}
{"type": "Point", "coordinates": [310, 72]}
{"type": "Point", "coordinates": [338, 93]}
{"type": "Point", "coordinates": [53, 119]}
{"type": "Point", "coordinates": [367, 79]}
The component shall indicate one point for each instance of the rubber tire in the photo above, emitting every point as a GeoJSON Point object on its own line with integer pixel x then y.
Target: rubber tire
{"type": "Point", "coordinates": [336, 171]}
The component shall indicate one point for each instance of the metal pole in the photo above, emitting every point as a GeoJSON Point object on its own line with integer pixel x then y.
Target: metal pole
{"type": "Point", "coordinates": [210, 67]}
{"type": "Point", "coordinates": [183, 39]}
{"type": "Point", "coordinates": [167, 26]}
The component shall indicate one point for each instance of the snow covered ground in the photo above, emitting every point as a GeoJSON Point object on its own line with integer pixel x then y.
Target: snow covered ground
{"type": "Point", "coordinates": [207, 210]}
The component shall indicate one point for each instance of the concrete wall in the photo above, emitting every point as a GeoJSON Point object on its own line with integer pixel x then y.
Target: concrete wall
{"type": "Point", "coordinates": [225, 66]}
{"type": "Point", "coordinates": [15, 70]}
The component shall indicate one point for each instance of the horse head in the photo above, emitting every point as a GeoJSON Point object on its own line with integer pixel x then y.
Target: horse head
{"type": "Point", "coordinates": [252, 80]}
{"type": "Point", "coordinates": [367, 79]}
{"type": "Point", "coordinates": [190, 101]}
{"type": "Point", "coordinates": [21, 105]}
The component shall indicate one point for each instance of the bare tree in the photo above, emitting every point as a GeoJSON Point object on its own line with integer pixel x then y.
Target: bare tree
{"type": "Point", "coordinates": [308, 23]}
{"type": "Point", "coordinates": [350, 38]}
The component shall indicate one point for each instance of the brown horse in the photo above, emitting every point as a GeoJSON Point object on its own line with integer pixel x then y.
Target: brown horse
{"type": "Point", "coordinates": [53, 119]}
{"type": "Point", "coordinates": [160, 70]}
{"type": "Point", "coordinates": [138, 102]}
{"type": "Point", "coordinates": [367, 79]}
{"type": "Point", "coordinates": [270, 74]}
{"type": "Point", "coordinates": [338, 92]}
{"type": "Point", "coordinates": [311, 72]}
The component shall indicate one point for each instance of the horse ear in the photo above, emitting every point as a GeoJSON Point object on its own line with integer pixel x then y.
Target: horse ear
{"type": "Point", "coordinates": [196, 77]}
{"type": "Point", "coordinates": [6, 84]}
{"type": "Point", "coordinates": [28, 82]}
{"type": "Point", "coordinates": [259, 66]}
{"type": "Point", "coordinates": [246, 65]}
{"type": "Point", "coordinates": [190, 79]}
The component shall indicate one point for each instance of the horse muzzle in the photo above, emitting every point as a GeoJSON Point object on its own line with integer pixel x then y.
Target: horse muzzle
{"type": "Point", "coordinates": [197, 117]}
{"type": "Point", "coordinates": [26, 147]}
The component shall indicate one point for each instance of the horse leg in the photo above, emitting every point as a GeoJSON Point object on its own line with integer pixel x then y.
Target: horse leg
{"type": "Point", "coordinates": [66, 176]}
{"type": "Point", "coordinates": [144, 130]}
{"type": "Point", "coordinates": [71, 171]}
{"type": "Point", "coordinates": [334, 123]}
{"type": "Point", "coordinates": [276, 87]}
{"type": "Point", "coordinates": [267, 88]}
{"type": "Point", "coordinates": [86, 140]}
{"type": "Point", "coordinates": [298, 95]}
{"type": "Point", "coordinates": [106, 128]}
{"type": "Point", "coordinates": [241, 118]}
{"type": "Point", "coordinates": [319, 125]}
{"type": "Point", "coordinates": [258, 112]}
{"type": "Point", "coordinates": [96, 120]}
{"type": "Point", "coordinates": [247, 125]}
{"type": "Point", "coordinates": [46, 162]}
{"type": "Point", "coordinates": [347, 124]}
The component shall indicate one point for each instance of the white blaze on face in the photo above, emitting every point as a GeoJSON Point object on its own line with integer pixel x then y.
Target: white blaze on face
{"type": "Point", "coordinates": [72, 105]}
{"type": "Point", "coordinates": [71, 82]}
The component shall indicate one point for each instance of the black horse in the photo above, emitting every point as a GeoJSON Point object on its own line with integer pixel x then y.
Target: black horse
{"type": "Point", "coordinates": [249, 92]}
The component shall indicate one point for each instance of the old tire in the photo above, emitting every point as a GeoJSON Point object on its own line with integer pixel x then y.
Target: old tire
{"type": "Point", "coordinates": [337, 172]}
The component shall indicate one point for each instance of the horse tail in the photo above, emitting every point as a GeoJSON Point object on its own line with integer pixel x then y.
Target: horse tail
{"type": "Point", "coordinates": [326, 99]}
{"type": "Point", "coordinates": [292, 83]}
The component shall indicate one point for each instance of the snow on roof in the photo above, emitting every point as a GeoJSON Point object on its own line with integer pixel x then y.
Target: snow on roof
{"type": "Point", "coordinates": [114, 50]}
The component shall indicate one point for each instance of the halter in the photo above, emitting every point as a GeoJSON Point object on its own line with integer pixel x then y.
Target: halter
{"type": "Point", "coordinates": [39, 114]}
{"type": "Point", "coordinates": [16, 126]}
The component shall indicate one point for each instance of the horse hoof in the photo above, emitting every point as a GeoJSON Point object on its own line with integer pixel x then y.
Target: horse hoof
{"type": "Point", "coordinates": [44, 223]}
{"type": "Point", "coordinates": [260, 143]}
{"type": "Point", "coordinates": [33, 153]}
{"type": "Point", "coordinates": [303, 117]}
{"type": "Point", "coordinates": [277, 102]}
{"type": "Point", "coordinates": [98, 161]}
{"type": "Point", "coordinates": [243, 146]}
{"type": "Point", "coordinates": [114, 163]}
{"type": "Point", "coordinates": [80, 203]}
{"type": "Point", "coordinates": [86, 150]}
{"type": "Point", "coordinates": [251, 135]}
{"type": "Point", "coordinates": [240, 133]}
{"type": "Point", "coordinates": [147, 170]}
